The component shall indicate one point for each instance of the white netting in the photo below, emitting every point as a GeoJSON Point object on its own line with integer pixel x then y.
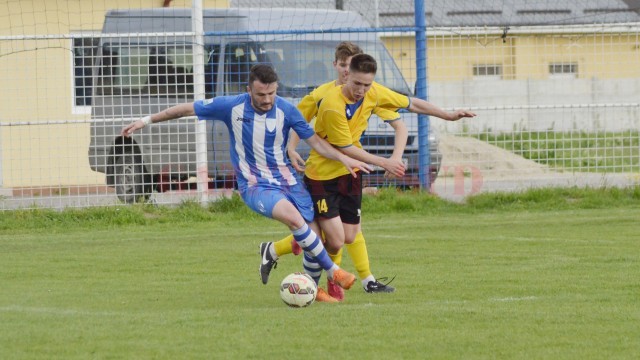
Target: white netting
{"type": "Point", "coordinates": [556, 88]}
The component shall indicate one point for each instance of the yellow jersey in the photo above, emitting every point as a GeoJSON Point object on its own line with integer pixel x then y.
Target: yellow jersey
{"type": "Point", "coordinates": [341, 122]}
{"type": "Point", "coordinates": [308, 106]}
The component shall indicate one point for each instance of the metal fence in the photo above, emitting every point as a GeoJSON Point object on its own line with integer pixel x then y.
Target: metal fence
{"type": "Point", "coordinates": [556, 92]}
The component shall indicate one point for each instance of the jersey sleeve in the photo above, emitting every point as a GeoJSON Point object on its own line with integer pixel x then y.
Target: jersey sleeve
{"type": "Point", "coordinates": [213, 109]}
{"type": "Point", "coordinates": [308, 106]}
{"type": "Point", "coordinates": [298, 123]}
{"type": "Point", "coordinates": [386, 114]}
{"type": "Point", "coordinates": [389, 99]}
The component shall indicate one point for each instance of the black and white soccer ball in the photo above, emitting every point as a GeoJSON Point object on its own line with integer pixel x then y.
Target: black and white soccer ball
{"type": "Point", "coordinates": [298, 290]}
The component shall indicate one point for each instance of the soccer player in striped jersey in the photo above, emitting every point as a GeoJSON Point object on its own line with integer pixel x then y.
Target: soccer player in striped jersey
{"type": "Point", "coordinates": [258, 123]}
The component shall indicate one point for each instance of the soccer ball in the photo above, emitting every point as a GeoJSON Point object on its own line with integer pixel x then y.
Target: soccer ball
{"type": "Point", "coordinates": [298, 290]}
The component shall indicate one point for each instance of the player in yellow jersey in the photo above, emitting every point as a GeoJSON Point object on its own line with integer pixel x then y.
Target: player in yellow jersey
{"type": "Point", "coordinates": [342, 118]}
{"type": "Point", "coordinates": [309, 107]}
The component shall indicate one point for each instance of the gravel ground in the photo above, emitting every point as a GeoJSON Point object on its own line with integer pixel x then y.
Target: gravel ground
{"type": "Point", "coordinates": [470, 166]}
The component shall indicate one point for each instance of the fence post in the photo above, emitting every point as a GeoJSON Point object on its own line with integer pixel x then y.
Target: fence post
{"type": "Point", "coordinates": [424, 156]}
{"type": "Point", "coordinates": [197, 25]}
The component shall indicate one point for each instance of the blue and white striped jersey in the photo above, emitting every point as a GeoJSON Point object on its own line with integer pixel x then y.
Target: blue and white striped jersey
{"type": "Point", "coordinates": [258, 140]}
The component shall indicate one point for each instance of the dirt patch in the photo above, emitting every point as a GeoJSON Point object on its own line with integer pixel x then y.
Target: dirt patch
{"type": "Point", "coordinates": [491, 161]}
{"type": "Point", "coordinates": [470, 166]}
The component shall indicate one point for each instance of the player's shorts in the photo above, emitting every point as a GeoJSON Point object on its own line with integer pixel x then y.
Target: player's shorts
{"type": "Point", "coordinates": [341, 196]}
{"type": "Point", "coordinates": [261, 198]}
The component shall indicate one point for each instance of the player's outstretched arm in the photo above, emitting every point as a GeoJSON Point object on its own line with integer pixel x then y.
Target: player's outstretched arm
{"type": "Point", "coordinates": [393, 166]}
{"type": "Point", "coordinates": [174, 112]}
{"type": "Point", "coordinates": [325, 149]}
{"type": "Point", "coordinates": [424, 107]}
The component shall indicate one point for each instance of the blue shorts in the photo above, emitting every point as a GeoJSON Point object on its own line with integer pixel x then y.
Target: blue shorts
{"type": "Point", "coordinates": [261, 198]}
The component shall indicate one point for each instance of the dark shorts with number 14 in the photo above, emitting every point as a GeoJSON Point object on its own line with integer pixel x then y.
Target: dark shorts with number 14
{"type": "Point", "coordinates": [341, 196]}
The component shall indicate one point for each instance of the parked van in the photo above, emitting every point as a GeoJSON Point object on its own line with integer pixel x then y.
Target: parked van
{"type": "Point", "coordinates": [140, 75]}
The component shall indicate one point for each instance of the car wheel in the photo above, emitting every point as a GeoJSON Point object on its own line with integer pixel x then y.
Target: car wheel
{"type": "Point", "coordinates": [129, 178]}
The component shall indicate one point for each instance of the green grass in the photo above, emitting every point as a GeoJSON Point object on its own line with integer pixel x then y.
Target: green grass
{"type": "Point", "coordinates": [577, 151]}
{"type": "Point", "coordinates": [542, 274]}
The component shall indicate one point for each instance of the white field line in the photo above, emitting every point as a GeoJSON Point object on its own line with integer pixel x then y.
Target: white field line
{"type": "Point", "coordinates": [459, 302]}
{"type": "Point", "coordinates": [394, 236]}
{"type": "Point", "coordinates": [77, 312]}
{"type": "Point", "coordinates": [278, 234]}
{"type": "Point", "coordinates": [508, 299]}
{"type": "Point", "coordinates": [57, 311]}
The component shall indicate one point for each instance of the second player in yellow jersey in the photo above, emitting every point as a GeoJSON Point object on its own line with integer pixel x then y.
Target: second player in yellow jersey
{"type": "Point", "coordinates": [342, 121]}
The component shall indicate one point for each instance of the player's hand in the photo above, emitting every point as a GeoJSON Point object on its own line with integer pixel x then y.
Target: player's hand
{"type": "Point", "coordinates": [459, 114]}
{"type": "Point", "coordinates": [296, 160]}
{"type": "Point", "coordinates": [394, 167]}
{"type": "Point", "coordinates": [351, 164]}
{"type": "Point", "coordinates": [129, 129]}
{"type": "Point", "coordinates": [389, 175]}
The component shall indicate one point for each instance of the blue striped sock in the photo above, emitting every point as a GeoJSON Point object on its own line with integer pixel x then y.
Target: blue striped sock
{"type": "Point", "coordinates": [311, 267]}
{"type": "Point", "coordinates": [310, 242]}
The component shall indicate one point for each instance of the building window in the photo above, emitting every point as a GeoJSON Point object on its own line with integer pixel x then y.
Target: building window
{"type": "Point", "coordinates": [563, 70]}
{"type": "Point", "coordinates": [487, 71]}
{"type": "Point", "coordinates": [84, 54]}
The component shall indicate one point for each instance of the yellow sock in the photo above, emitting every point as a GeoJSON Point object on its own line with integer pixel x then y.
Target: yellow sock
{"type": "Point", "coordinates": [337, 258]}
{"type": "Point", "coordinates": [283, 247]}
{"type": "Point", "coordinates": [359, 255]}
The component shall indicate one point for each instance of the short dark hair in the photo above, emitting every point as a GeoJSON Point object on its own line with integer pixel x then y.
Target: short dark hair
{"type": "Point", "coordinates": [264, 73]}
{"type": "Point", "coordinates": [347, 49]}
{"type": "Point", "coordinates": [363, 63]}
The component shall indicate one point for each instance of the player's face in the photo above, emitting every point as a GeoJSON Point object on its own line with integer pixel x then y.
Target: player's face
{"type": "Point", "coordinates": [342, 69]}
{"type": "Point", "coordinates": [357, 85]}
{"type": "Point", "coordinates": [263, 96]}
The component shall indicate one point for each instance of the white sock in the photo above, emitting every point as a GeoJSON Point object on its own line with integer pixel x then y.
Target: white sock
{"type": "Point", "coordinates": [272, 252]}
{"type": "Point", "coordinates": [330, 271]}
{"type": "Point", "coordinates": [366, 280]}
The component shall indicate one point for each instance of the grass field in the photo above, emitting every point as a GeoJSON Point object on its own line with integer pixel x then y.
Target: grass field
{"type": "Point", "coordinates": [578, 151]}
{"type": "Point", "coordinates": [549, 274]}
